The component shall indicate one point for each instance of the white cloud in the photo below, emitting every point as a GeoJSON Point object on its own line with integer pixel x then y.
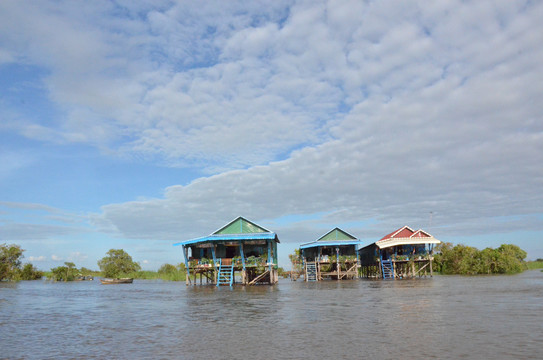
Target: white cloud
{"type": "Point", "coordinates": [37, 258]}
{"type": "Point", "coordinates": [30, 206]}
{"type": "Point", "coordinates": [56, 258]}
{"type": "Point", "coordinates": [77, 256]}
{"type": "Point", "coordinates": [31, 231]}
{"type": "Point", "coordinates": [260, 82]}
{"type": "Point", "coordinates": [31, 222]}
{"type": "Point", "coordinates": [439, 127]}
{"type": "Point", "coordinates": [356, 111]}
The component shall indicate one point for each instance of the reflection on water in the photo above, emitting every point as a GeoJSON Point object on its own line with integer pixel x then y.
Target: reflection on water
{"type": "Point", "coordinates": [443, 317]}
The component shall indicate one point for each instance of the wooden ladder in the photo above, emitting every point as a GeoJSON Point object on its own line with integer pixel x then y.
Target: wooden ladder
{"type": "Point", "coordinates": [311, 271]}
{"type": "Point", "coordinates": [388, 269]}
{"type": "Point", "coordinates": [226, 275]}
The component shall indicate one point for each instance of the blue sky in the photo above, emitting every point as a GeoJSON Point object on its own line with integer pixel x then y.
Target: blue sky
{"type": "Point", "coordinates": [136, 126]}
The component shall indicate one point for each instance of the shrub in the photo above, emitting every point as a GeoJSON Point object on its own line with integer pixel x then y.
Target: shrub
{"type": "Point", "coordinates": [117, 263]}
{"type": "Point", "coordinates": [29, 272]}
{"type": "Point", "coordinates": [10, 262]}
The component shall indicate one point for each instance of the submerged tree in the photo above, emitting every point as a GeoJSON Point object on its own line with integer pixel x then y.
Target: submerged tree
{"type": "Point", "coordinates": [297, 263]}
{"type": "Point", "coordinates": [68, 272]}
{"type": "Point", "coordinates": [29, 272]}
{"type": "Point", "coordinates": [467, 260]}
{"type": "Point", "coordinates": [10, 262]}
{"type": "Point", "coordinates": [117, 263]}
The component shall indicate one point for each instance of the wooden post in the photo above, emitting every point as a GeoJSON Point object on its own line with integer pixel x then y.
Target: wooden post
{"type": "Point", "coordinates": [213, 249]}
{"type": "Point", "coordinates": [187, 270]}
{"type": "Point", "coordinates": [242, 254]}
{"type": "Point", "coordinates": [358, 270]}
{"type": "Point", "coordinates": [269, 256]}
{"type": "Point", "coordinates": [338, 265]}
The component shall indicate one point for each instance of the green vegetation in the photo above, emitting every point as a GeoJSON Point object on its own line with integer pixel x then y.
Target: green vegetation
{"type": "Point", "coordinates": [533, 265]}
{"type": "Point", "coordinates": [297, 263]}
{"type": "Point", "coordinates": [29, 272]}
{"type": "Point", "coordinates": [117, 263]}
{"type": "Point", "coordinates": [68, 272]}
{"type": "Point", "coordinates": [10, 262]}
{"type": "Point", "coordinates": [467, 260]}
{"type": "Point", "coordinates": [10, 265]}
{"type": "Point", "coordinates": [171, 272]}
{"type": "Point", "coordinates": [167, 272]}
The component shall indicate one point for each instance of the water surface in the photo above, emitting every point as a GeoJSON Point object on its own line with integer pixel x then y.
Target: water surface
{"type": "Point", "coordinates": [442, 317]}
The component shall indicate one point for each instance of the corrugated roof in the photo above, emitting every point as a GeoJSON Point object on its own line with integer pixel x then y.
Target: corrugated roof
{"type": "Point", "coordinates": [334, 237]}
{"type": "Point", "coordinates": [238, 229]}
{"type": "Point", "coordinates": [405, 231]}
{"type": "Point", "coordinates": [240, 225]}
{"type": "Point", "coordinates": [406, 236]}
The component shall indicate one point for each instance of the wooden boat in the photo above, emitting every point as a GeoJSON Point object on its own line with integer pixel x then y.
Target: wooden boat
{"type": "Point", "coordinates": [84, 278]}
{"type": "Point", "coordinates": [117, 281]}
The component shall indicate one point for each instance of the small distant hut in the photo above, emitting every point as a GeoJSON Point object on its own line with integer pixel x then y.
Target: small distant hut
{"type": "Point", "coordinates": [404, 253]}
{"type": "Point", "coordinates": [332, 256]}
{"type": "Point", "coordinates": [240, 247]}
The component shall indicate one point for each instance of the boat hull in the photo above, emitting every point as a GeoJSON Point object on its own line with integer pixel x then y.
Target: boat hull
{"type": "Point", "coordinates": [116, 281]}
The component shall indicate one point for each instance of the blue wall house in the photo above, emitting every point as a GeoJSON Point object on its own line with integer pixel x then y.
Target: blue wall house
{"type": "Point", "coordinates": [239, 247]}
{"type": "Point", "coordinates": [333, 256]}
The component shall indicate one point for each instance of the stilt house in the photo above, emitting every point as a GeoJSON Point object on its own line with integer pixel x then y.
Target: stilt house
{"type": "Point", "coordinates": [403, 253]}
{"type": "Point", "coordinates": [333, 255]}
{"type": "Point", "coordinates": [241, 247]}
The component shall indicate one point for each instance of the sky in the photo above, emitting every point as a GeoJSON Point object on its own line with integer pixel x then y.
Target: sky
{"type": "Point", "coordinates": [137, 125]}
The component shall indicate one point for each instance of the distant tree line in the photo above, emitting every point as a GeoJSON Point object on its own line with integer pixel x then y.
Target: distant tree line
{"type": "Point", "coordinates": [467, 260]}
{"type": "Point", "coordinates": [449, 259]}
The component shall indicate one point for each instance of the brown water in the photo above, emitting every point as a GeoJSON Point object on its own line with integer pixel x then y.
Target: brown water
{"type": "Point", "coordinates": [445, 317]}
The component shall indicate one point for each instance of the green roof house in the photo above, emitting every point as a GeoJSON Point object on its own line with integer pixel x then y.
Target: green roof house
{"type": "Point", "coordinates": [240, 247]}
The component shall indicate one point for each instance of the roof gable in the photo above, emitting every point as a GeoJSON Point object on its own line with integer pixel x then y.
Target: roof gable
{"type": "Point", "coordinates": [406, 236]}
{"type": "Point", "coordinates": [403, 232]}
{"type": "Point", "coordinates": [336, 235]}
{"type": "Point", "coordinates": [420, 233]}
{"type": "Point", "coordinates": [240, 225]}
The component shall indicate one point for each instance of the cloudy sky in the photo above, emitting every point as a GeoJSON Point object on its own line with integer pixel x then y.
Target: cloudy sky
{"type": "Point", "coordinates": [135, 126]}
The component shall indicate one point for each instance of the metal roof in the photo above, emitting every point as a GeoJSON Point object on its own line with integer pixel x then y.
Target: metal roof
{"type": "Point", "coordinates": [334, 237]}
{"type": "Point", "coordinates": [406, 241]}
{"type": "Point", "coordinates": [211, 238]}
{"type": "Point", "coordinates": [247, 231]}
{"type": "Point", "coordinates": [330, 243]}
{"type": "Point", "coordinates": [405, 236]}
